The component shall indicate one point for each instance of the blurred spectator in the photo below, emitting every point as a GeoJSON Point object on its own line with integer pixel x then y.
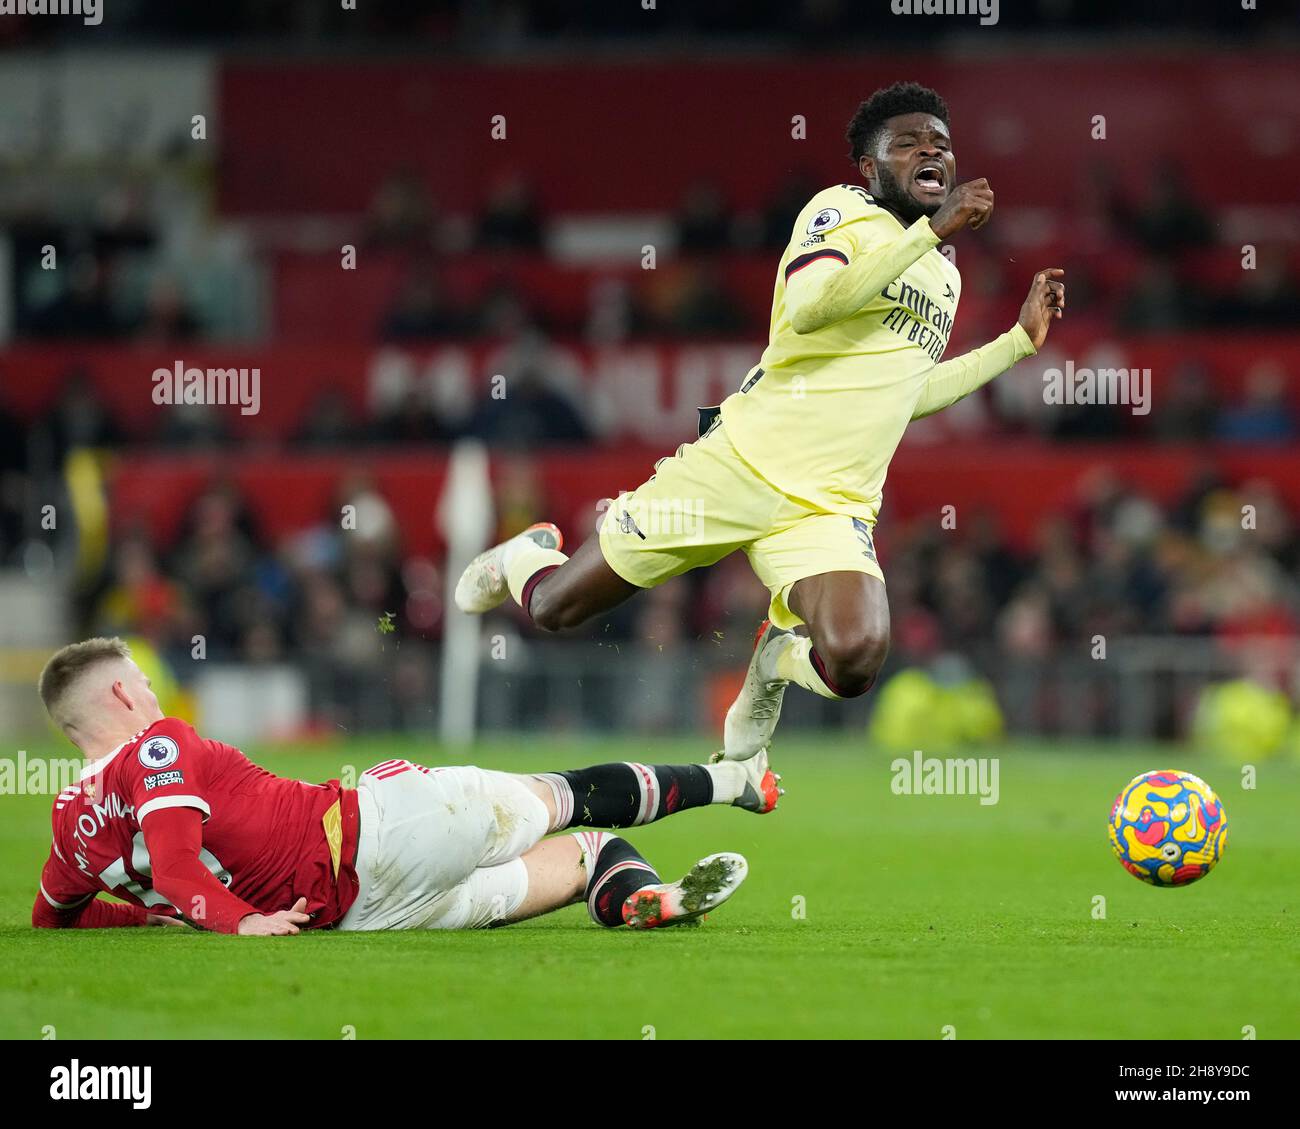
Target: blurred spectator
{"type": "Point", "coordinates": [511, 220]}
{"type": "Point", "coordinates": [1024, 628]}
{"type": "Point", "coordinates": [778, 217]}
{"type": "Point", "coordinates": [519, 497]}
{"type": "Point", "coordinates": [411, 420]}
{"type": "Point", "coordinates": [1190, 407]}
{"type": "Point", "coordinates": [193, 426]}
{"type": "Point", "coordinates": [1275, 526]}
{"type": "Point", "coordinates": [423, 310]}
{"type": "Point", "coordinates": [614, 312]}
{"type": "Point", "coordinates": [14, 486]}
{"type": "Point", "coordinates": [78, 419]}
{"type": "Point", "coordinates": [329, 421]}
{"type": "Point", "coordinates": [82, 309]}
{"type": "Point", "coordinates": [703, 307]}
{"type": "Point", "coordinates": [529, 415]}
{"type": "Point", "coordinates": [215, 561]}
{"type": "Point", "coordinates": [703, 221]}
{"type": "Point", "coordinates": [1162, 301]}
{"type": "Point", "coordinates": [402, 216]}
{"type": "Point", "coordinates": [1171, 220]}
{"type": "Point", "coordinates": [123, 219]}
{"type": "Point", "coordinates": [167, 315]}
{"type": "Point", "coordinates": [1094, 213]}
{"type": "Point", "coordinates": [139, 599]}
{"type": "Point", "coordinates": [505, 311]}
{"type": "Point", "coordinates": [1001, 571]}
{"type": "Point", "coordinates": [1266, 416]}
{"type": "Point", "coordinates": [1267, 297]}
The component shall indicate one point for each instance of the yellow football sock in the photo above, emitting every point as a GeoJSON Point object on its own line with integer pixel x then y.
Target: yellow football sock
{"type": "Point", "coordinates": [524, 559]}
{"type": "Point", "coordinates": [794, 664]}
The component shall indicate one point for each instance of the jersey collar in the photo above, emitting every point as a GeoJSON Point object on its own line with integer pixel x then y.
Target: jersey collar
{"type": "Point", "coordinates": [94, 768]}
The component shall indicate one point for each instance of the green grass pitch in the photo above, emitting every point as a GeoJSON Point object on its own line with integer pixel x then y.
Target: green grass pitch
{"type": "Point", "coordinates": [866, 914]}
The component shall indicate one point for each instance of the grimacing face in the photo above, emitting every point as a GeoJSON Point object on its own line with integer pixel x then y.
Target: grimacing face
{"type": "Point", "coordinates": [913, 168]}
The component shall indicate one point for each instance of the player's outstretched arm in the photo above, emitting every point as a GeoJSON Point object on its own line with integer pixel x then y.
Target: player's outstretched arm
{"type": "Point", "coordinates": [89, 914]}
{"type": "Point", "coordinates": [95, 914]}
{"type": "Point", "coordinates": [65, 900]}
{"type": "Point", "coordinates": [825, 292]}
{"type": "Point", "coordinates": [174, 838]}
{"type": "Point", "coordinates": [960, 376]}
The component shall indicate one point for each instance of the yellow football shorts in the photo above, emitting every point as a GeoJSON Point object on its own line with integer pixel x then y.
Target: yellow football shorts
{"type": "Point", "coordinates": [706, 502]}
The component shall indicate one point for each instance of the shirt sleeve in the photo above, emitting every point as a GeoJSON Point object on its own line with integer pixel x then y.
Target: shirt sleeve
{"type": "Point", "coordinates": [950, 381]}
{"type": "Point", "coordinates": [174, 838]}
{"type": "Point", "coordinates": [67, 900]}
{"type": "Point", "coordinates": [834, 273]}
{"type": "Point", "coordinates": [168, 770]}
{"type": "Point", "coordinates": [91, 914]}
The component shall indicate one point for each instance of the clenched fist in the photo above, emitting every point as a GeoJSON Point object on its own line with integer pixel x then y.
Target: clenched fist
{"type": "Point", "coordinates": [968, 204]}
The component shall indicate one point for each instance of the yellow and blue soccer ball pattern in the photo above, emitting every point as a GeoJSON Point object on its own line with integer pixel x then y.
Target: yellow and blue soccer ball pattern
{"type": "Point", "coordinates": [1168, 828]}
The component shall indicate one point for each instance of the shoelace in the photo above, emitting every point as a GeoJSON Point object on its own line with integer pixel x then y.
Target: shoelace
{"type": "Point", "coordinates": [765, 707]}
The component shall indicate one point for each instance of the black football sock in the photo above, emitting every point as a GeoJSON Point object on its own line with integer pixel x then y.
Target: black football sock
{"type": "Point", "coordinates": [615, 871]}
{"type": "Point", "coordinates": [627, 794]}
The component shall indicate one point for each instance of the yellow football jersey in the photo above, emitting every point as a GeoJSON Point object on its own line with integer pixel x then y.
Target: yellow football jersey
{"type": "Point", "coordinates": [822, 413]}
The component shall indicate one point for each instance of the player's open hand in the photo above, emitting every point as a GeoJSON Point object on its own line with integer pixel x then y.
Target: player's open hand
{"type": "Point", "coordinates": [1046, 303]}
{"type": "Point", "coordinates": [968, 204]}
{"type": "Point", "coordinates": [279, 924]}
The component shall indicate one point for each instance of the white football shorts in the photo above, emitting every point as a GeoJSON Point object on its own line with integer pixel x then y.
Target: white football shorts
{"type": "Point", "coordinates": [439, 848]}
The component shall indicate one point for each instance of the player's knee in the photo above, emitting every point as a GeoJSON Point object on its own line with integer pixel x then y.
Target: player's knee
{"type": "Point", "coordinates": [544, 614]}
{"type": "Point", "coordinates": [553, 611]}
{"type": "Point", "coordinates": [548, 613]}
{"type": "Point", "coordinates": [853, 657]}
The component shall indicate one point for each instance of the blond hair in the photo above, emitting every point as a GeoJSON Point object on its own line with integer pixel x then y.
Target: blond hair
{"type": "Point", "coordinates": [68, 664]}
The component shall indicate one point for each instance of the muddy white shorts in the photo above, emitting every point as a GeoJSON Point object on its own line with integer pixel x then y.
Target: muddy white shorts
{"type": "Point", "coordinates": [439, 847]}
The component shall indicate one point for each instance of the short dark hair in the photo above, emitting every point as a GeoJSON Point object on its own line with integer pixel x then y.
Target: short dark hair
{"type": "Point", "coordinates": [901, 98]}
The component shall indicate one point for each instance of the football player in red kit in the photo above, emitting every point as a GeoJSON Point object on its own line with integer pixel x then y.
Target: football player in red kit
{"type": "Point", "coordinates": [184, 828]}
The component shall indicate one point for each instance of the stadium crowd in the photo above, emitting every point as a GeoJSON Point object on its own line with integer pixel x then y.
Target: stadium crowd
{"type": "Point", "coordinates": [162, 256]}
{"type": "Point", "coordinates": [1115, 563]}
{"type": "Point", "coordinates": [120, 284]}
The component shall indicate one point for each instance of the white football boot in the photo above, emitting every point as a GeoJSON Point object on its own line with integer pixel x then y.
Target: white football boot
{"type": "Point", "coordinates": [752, 718]}
{"type": "Point", "coordinates": [708, 884]}
{"type": "Point", "coordinates": [484, 584]}
{"type": "Point", "coordinates": [762, 791]}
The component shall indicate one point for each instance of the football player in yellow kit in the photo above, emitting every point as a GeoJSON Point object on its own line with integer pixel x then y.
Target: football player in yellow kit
{"type": "Point", "coordinates": [791, 468]}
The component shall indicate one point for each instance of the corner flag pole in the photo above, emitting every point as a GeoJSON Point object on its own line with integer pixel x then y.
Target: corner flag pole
{"type": "Point", "coordinates": [465, 515]}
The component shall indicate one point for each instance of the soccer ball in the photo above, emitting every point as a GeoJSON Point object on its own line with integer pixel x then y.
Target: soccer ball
{"type": "Point", "coordinates": [1168, 828]}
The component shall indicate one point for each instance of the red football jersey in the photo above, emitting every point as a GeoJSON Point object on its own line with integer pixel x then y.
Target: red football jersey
{"type": "Point", "coordinates": [266, 839]}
